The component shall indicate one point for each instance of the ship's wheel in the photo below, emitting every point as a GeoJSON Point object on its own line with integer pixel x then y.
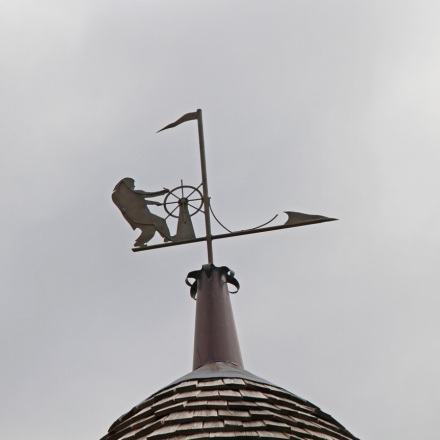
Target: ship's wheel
{"type": "Point", "coordinates": [186, 197]}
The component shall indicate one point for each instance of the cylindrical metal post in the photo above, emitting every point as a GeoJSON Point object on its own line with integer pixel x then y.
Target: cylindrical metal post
{"type": "Point", "coordinates": [215, 338]}
{"type": "Point", "coordinates": [206, 200]}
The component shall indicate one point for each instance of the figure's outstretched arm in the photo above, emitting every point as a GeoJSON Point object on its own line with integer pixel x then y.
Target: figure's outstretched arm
{"type": "Point", "coordinates": [154, 193]}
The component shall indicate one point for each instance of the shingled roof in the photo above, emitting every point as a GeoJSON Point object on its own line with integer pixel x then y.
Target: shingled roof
{"type": "Point", "coordinates": [212, 403]}
{"type": "Point", "coordinates": [219, 398]}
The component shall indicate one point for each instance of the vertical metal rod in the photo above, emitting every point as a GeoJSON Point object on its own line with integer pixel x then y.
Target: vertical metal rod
{"type": "Point", "coordinates": [205, 188]}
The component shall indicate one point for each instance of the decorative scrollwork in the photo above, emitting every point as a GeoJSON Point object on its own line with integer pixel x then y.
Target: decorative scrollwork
{"type": "Point", "coordinates": [208, 268]}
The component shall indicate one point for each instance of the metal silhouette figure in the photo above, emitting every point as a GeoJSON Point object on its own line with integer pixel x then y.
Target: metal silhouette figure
{"type": "Point", "coordinates": [133, 205]}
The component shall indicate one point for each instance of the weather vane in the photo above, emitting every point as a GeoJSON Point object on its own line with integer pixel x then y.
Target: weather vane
{"type": "Point", "coordinates": [183, 202]}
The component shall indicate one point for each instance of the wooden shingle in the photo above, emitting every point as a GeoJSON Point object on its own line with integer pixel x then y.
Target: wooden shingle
{"type": "Point", "coordinates": [226, 408]}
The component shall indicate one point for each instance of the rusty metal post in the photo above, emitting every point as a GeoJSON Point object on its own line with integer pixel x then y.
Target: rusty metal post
{"type": "Point", "coordinates": [215, 338]}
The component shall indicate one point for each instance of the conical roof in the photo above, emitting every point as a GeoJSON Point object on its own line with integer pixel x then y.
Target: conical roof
{"type": "Point", "coordinates": [219, 398]}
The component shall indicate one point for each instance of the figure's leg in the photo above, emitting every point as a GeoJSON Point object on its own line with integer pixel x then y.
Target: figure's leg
{"type": "Point", "coordinates": [159, 224]}
{"type": "Point", "coordinates": [162, 228]}
{"type": "Point", "coordinates": [147, 233]}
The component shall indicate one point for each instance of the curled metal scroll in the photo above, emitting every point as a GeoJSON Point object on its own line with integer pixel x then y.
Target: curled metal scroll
{"type": "Point", "coordinates": [207, 268]}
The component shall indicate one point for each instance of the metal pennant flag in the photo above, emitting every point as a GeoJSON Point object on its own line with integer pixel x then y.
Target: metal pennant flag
{"type": "Point", "coordinates": [184, 118]}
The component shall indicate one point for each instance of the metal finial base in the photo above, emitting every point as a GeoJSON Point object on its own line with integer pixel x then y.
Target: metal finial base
{"type": "Point", "coordinates": [215, 338]}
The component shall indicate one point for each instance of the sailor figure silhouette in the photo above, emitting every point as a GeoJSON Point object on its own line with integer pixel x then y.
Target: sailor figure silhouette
{"type": "Point", "coordinates": [133, 205]}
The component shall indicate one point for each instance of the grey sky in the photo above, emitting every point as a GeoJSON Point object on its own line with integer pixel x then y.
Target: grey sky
{"type": "Point", "coordinates": [326, 107]}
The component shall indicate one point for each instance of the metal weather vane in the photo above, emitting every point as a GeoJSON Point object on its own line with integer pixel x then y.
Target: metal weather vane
{"type": "Point", "coordinates": [182, 203]}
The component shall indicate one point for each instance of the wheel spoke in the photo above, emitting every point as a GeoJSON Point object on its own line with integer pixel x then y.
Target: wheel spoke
{"type": "Point", "coordinates": [174, 195]}
{"type": "Point", "coordinates": [196, 200]}
{"type": "Point", "coordinates": [171, 213]}
{"type": "Point", "coordinates": [172, 203]}
{"type": "Point", "coordinates": [192, 206]}
{"type": "Point", "coordinates": [194, 190]}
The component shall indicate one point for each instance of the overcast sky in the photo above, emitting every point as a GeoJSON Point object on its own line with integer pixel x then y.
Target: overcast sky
{"type": "Point", "coordinates": [323, 107]}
